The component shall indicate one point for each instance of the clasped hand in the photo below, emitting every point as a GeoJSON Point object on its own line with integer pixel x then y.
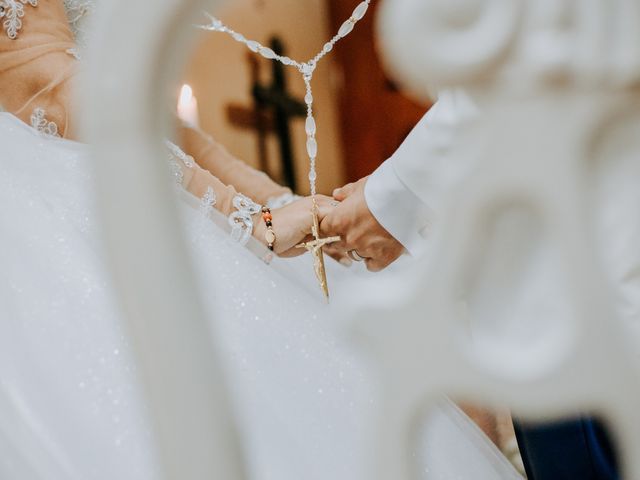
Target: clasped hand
{"type": "Point", "coordinates": [347, 216]}
{"type": "Point", "coordinates": [293, 224]}
{"type": "Point", "coordinates": [361, 233]}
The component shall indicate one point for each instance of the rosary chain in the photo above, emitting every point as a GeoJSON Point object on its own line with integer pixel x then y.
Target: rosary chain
{"type": "Point", "coordinates": [307, 70]}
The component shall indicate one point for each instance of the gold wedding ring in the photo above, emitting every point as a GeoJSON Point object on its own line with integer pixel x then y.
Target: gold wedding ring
{"type": "Point", "coordinates": [355, 256]}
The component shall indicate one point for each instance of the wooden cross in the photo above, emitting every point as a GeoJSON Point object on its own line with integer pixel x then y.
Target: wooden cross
{"type": "Point", "coordinates": [315, 248]}
{"type": "Point", "coordinates": [274, 108]}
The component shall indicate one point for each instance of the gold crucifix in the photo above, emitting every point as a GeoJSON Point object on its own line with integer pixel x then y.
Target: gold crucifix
{"type": "Point", "coordinates": [315, 248]}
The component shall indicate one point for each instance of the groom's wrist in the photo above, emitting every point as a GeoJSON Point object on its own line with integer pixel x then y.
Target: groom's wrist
{"type": "Point", "coordinates": [396, 208]}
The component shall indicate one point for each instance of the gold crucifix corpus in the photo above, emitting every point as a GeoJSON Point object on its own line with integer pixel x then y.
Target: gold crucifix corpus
{"type": "Point", "coordinates": [315, 248]}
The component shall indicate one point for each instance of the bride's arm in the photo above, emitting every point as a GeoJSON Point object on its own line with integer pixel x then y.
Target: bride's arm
{"type": "Point", "coordinates": [213, 157]}
{"type": "Point", "coordinates": [292, 223]}
{"type": "Point", "coordinates": [35, 72]}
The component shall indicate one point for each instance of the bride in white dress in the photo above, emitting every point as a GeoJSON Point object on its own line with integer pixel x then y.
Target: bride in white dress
{"type": "Point", "coordinates": [70, 403]}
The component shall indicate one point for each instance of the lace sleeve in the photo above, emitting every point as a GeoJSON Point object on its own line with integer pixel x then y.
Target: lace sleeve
{"type": "Point", "coordinates": [239, 209]}
{"type": "Point", "coordinates": [213, 157]}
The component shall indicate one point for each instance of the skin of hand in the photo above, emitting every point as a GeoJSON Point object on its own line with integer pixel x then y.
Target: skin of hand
{"type": "Point", "coordinates": [359, 229]}
{"type": "Point", "coordinates": [292, 224]}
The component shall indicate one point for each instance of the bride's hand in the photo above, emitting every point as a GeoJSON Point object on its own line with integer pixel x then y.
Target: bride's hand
{"type": "Point", "coordinates": [292, 224]}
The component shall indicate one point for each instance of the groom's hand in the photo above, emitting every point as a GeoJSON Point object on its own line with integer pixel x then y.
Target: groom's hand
{"type": "Point", "coordinates": [359, 229]}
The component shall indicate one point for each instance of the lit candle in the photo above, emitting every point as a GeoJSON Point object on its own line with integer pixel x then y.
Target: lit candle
{"type": "Point", "coordinates": [188, 106]}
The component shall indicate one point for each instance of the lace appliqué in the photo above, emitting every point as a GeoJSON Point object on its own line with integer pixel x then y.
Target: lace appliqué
{"type": "Point", "coordinates": [176, 172]}
{"type": "Point", "coordinates": [74, 52]}
{"type": "Point", "coordinates": [42, 125]}
{"type": "Point", "coordinates": [77, 10]}
{"type": "Point", "coordinates": [282, 201]}
{"type": "Point", "coordinates": [13, 12]}
{"type": "Point", "coordinates": [208, 202]}
{"type": "Point", "coordinates": [176, 154]}
{"type": "Point", "coordinates": [241, 222]}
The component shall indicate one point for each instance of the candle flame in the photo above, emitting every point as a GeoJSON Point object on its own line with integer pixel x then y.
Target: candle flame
{"type": "Point", "coordinates": [186, 95]}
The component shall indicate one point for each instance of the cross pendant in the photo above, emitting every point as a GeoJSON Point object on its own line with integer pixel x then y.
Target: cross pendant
{"type": "Point", "coordinates": [315, 248]}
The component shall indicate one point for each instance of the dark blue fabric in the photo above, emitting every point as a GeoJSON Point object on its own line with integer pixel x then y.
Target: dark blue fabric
{"type": "Point", "coordinates": [572, 450]}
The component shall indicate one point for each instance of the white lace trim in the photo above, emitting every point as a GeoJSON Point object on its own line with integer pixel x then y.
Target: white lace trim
{"type": "Point", "coordinates": [77, 11]}
{"type": "Point", "coordinates": [74, 52]}
{"type": "Point", "coordinates": [208, 202]}
{"type": "Point", "coordinates": [41, 124]}
{"type": "Point", "coordinates": [241, 222]}
{"type": "Point", "coordinates": [176, 154]}
{"type": "Point", "coordinates": [176, 171]}
{"type": "Point", "coordinates": [13, 12]}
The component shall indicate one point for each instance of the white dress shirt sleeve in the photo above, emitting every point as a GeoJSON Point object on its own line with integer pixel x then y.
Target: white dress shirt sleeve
{"type": "Point", "coordinates": [397, 208]}
{"type": "Point", "coordinates": [406, 193]}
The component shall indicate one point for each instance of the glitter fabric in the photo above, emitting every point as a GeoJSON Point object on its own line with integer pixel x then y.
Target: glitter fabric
{"type": "Point", "coordinates": [70, 404]}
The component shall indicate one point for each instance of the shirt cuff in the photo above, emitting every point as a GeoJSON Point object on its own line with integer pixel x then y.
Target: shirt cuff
{"type": "Point", "coordinates": [397, 208]}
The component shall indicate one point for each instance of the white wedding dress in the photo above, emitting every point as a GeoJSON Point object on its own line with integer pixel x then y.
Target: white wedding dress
{"type": "Point", "coordinates": [70, 403]}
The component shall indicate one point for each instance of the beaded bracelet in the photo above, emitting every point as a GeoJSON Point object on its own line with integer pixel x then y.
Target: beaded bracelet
{"type": "Point", "coordinates": [270, 235]}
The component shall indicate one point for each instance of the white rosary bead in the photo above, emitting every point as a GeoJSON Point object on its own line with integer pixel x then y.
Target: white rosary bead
{"type": "Point", "coordinates": [360, 11]}
{"type": "Point", "coordinates": [308, 98]}
{"type": "Point", "coordinates": [310, 126]}
{"type": "Point", "coordinates": [312, 147]}
{"type": "Point", "coordinates": [253, 45]}
{"type": "Point", "coordinates": [346, 28]}
{"type": "Point", "coordinates": [268, 53]}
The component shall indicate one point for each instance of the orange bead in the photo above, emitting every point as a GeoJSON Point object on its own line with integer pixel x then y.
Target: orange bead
{"type": "Point", "coordinates": [267, 217]}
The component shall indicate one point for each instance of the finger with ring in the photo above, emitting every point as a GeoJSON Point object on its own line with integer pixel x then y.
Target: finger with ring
{"type": "Point", "coordinates": [355, 256]}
